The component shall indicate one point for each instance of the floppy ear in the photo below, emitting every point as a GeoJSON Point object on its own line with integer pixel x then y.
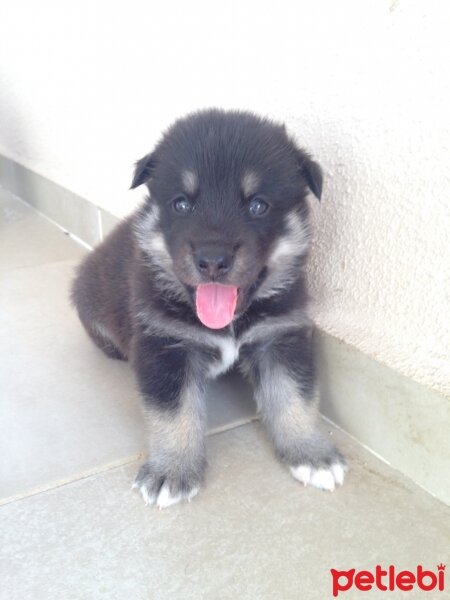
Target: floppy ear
{"type": "Point", "coordinates": [143, 170]}
{"type": "Point", "coordinates": [312, 172]}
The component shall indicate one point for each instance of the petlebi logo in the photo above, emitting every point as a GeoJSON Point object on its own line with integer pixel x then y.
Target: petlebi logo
{"type": "Point", "coordinates": [388, 580]}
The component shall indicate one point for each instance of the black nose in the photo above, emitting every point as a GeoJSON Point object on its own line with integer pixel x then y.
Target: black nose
{"type": "Point", "coordinates": [213, 261]}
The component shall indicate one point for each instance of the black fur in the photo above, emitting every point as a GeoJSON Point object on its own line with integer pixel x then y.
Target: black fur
{"type": "Point", "coordinates": [160, 364]}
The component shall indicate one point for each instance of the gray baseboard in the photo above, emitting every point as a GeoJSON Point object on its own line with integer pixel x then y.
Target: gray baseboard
{"type": "Point", "coordinates": [403, 422]}
{"type": "Point", "coordinates": [78, 216]}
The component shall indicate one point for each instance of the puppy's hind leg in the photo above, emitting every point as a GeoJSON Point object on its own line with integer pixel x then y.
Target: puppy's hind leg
{"type": "Point", "coordinates": [88, 299]}
{"type": "Point", "coordinates": [101, 338]}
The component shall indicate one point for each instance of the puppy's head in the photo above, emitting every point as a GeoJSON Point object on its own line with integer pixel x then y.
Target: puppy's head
{"type": "Point", "coordinates": [227, 214]}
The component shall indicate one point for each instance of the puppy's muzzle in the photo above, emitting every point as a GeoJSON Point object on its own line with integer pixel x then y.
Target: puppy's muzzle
{"type": "Point", "coordinates": [213, 261]}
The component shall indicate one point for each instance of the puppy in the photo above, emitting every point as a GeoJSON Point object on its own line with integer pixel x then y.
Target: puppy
{"type": "Point", "coordinates": [208, 274]}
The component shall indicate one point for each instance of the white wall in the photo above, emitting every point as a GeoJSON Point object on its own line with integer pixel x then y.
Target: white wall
{"type": "Point", "coordinates": [87, 87]}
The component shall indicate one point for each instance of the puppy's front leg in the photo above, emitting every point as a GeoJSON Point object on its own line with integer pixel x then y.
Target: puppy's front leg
{"type": "Point", "coordinates": [283, 375]}
{"type": "Point", "coordinates": [172, 381]}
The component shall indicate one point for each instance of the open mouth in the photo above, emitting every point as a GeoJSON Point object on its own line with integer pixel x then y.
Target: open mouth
{"type": "Point", "coordinates": [216, 304]}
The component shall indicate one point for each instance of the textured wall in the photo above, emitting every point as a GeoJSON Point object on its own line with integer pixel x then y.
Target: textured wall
{"type": "Point", "coordinates": [86, 88]}
{"type": "Point", "coordinates": [380, 266]}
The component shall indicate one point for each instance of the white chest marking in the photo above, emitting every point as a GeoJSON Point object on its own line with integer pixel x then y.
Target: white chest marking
{"type": "Point", "coordinates": [229, 349]}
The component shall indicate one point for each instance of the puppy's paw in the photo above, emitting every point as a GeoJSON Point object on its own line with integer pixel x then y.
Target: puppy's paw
{"type": "Point", "coordinates": [317, 462]}
{"type": "Point", "coordinates": [165, 490]}
{"type": "Point", "coordinates": [325, 478]}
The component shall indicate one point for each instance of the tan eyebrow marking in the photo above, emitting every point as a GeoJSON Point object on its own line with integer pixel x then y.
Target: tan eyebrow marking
{"type": "Point", "coordinates": [190, 181]}
{"type": "Point", "coordinates": [250, 183]}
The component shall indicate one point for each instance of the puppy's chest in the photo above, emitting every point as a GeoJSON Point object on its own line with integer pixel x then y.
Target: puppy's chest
{"type": "Point", "coordinates": [228, 350]}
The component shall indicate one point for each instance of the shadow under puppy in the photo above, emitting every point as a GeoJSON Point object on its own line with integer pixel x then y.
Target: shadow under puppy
{"type": "Point", "coordinates": [207, 274]}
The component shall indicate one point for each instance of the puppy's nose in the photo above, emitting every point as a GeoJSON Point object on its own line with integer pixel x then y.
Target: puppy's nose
{"type": "Point", "coordinates": [213, 261]}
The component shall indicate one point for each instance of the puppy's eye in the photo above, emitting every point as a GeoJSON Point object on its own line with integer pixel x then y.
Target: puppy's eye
{"type": "Point", "coordinates": [182, 205]}
{"type": "Point", "coordinates": [258, 207]}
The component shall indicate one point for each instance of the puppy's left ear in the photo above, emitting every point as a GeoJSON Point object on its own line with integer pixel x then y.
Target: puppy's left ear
{"type": "Point", "coordinates": [143, 170]}
{"type": "Point", "coordinates": [312, 172]}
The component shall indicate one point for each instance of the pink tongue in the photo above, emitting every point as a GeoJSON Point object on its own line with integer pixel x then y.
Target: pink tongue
{"type": "Point", "coordinates": [216, 304]}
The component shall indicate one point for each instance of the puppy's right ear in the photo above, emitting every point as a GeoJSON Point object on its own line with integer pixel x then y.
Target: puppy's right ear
{"type": "Point", "coordinates": [312, 172]}
{"type": "Point", "coordinates": [143, 170]}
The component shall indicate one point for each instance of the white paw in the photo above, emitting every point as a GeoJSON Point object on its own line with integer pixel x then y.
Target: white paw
{"type": "Point", "coordinates": [324, 479]}
{"type": "Point", "coordinates": [164, 498]}
{"type": "Point", "coordinates": [148, 498]}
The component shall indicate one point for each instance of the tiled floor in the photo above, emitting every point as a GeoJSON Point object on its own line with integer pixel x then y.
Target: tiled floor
{"type": "Point", "coordinates": [72, 436]}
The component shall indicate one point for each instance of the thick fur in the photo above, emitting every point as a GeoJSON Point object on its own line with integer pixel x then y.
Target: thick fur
{"type": "Point", "coordinates": [135, 294]}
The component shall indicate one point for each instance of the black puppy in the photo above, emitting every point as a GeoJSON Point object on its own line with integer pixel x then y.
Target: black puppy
{"type": "Point", "coordinates": [208, 274]}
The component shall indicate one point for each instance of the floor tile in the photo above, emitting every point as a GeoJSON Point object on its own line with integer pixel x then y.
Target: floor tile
{"type": "Point", "coordinates": [252, 533]}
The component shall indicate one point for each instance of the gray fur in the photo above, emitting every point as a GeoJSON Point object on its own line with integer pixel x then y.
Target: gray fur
{"type": "Point", "coordinates": [290, 416]}
{"type": "Point", "coordinates": [176, 446]}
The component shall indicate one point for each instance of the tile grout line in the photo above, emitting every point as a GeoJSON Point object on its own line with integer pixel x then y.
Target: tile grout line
{"type": "Point", "coordinates": [235, 425]}
{"type": "Point", "coordinates": [58, 484]}
{"type": "Point", "coordinates": [106, 468]}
